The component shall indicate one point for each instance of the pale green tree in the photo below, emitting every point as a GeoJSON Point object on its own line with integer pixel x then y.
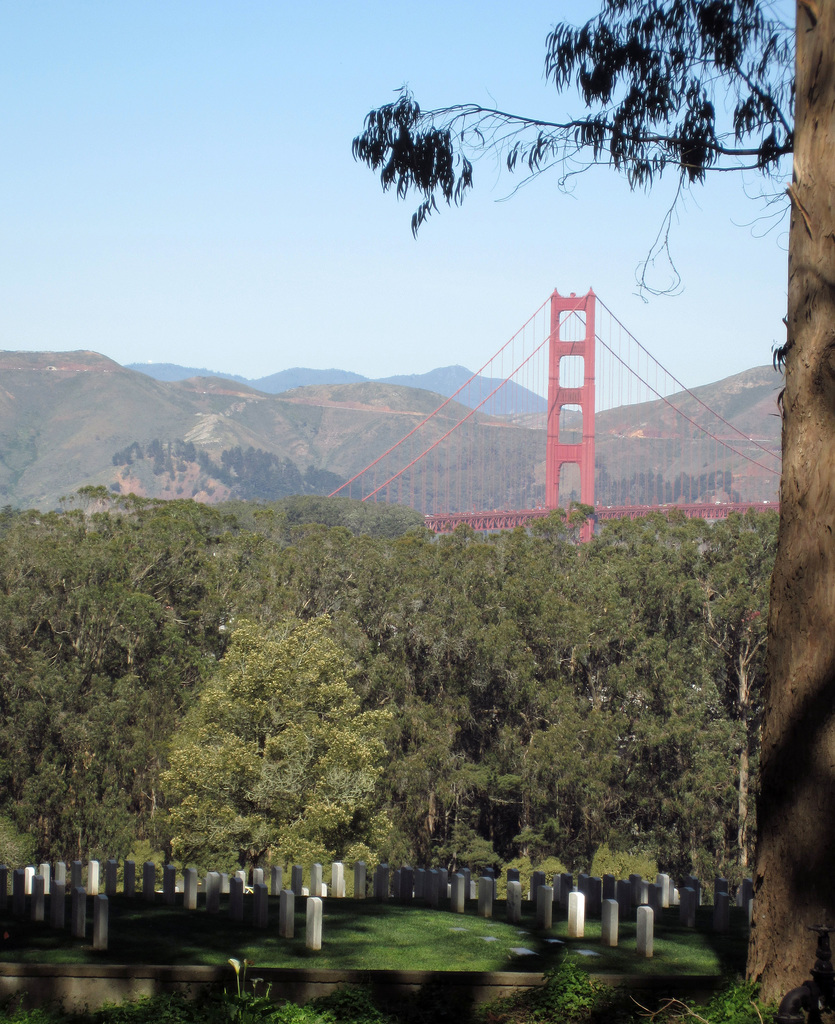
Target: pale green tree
{"type": "Point", "coordinates": [277, 759]}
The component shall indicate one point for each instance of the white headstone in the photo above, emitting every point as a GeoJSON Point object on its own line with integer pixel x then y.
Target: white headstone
{"type": "Point", "coordinates": [537, 879]}
{"type": "Point", "coordinates": [692, 882]}
{"type": "Point", "coordinates": [259, 909]}
{"type": "Point", "coordinates": [100, 922]}
{"type": "Point", "coordinates": [93, 877]}
{"type": "Point", "coordinates": [644, 931]}
{"type": "Point", "coordinates": [432, 887]}
{"type": "Point", "coordinates": [315, 879]}
{"type": "Point", "coordinates": [257, 877]}
{"type": "Point", "coordinates": [576, 915]}
{"type": "Point", "coordinates": [687, 907]}
{"type": "Point", "coordinates": [276, 879]}
{"type": "Point", "coordinates": [286, 914]}
{"type": "Point", "coordinates": [57, 904]}
{"type": "Point", "coordinates": [130, 878]}
{"type": "Point", "coordinates": [457, 894]}
{"type": "Point", "coordinates": [609, 923]}
{"type": "Point", "coordinates": [28, 874]}
{"type": "Point", "coordinates": [313, 932]}
{"type": "Point", "coordinates": [38, 898]}
{"type": "Point", "coordinates": [111, 877]}
{"type": "Point", "coordinates": [169, 884]}
{"type": "Point", "coordinates": [514, 902]}
{"type": "Point", "coordinates": [213, 892]}
{"type": "Point", "coordinates": [79, 912]}
{"type": "Point", "coordinates": [75, 874]}
{"type": "Point", "coordinates": [485, 896]}
{"type": "Point", "coordinates": [664, 881]}
{"type": "Point", "coordinates": [544, 906]}
{"type": "Point", "coordinates": [60, 873]}
{"type": "Point", "coordinates": [406, 884]}
{"type": "Point", "coordinates": [236, 898]}
{"type": "Point", "coordinates": [381, 883]}
{"type": "Point", "coordinates": [296, 879]}
{"type": "Point", "coordinates": [19, 892]}
{"type": "Point", "coordinates": [623, 894]}
{"type": "Point", "coordinates": [149, 881]}
{"type": "Point", "coordinates": [338, 879]}
{"type": "Point", "coordinates": [190, 888]}
{"type": "Point", "coordinates": [594, 897]}
{"type": "Point", "coordinates": [45, 871]}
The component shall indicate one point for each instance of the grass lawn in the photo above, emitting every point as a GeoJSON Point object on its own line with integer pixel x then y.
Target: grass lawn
{"type": "Point", "coordinates": [365, 935]}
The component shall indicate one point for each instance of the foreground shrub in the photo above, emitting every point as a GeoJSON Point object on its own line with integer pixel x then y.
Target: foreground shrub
{"type": "Point", "coordinates": [352, 1004]}
{"type": "Point", "coordinates": [736, 1003]}
{"type": "Point", "coordinates": [569, 996]}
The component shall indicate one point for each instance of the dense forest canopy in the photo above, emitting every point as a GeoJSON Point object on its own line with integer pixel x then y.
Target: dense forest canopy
{"type": "Point", "coordinates": [496, 697]}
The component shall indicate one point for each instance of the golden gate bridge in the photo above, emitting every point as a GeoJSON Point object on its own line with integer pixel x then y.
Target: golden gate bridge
{"type": "Point", "coordinates": [572, 408]}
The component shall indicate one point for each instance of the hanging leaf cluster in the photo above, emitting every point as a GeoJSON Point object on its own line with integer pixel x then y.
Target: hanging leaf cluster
{"type": "Point", "coordinates": [412, 155]}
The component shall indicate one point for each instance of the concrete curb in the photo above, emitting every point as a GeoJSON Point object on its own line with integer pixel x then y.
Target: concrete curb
{"type": "Point", "coordinates": [76, 986]}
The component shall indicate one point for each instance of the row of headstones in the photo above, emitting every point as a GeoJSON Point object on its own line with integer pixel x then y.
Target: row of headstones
{"type": "Point", "coordinates": [606, 897]}
{"type": "Point", "coordinates": [38, 885]}
{"type": "Point", "coordinates": [407, 883]}
{"type": "Point", "coordinates": [170, 886]}
{"type": "Point", "coordinates": [431, 885]}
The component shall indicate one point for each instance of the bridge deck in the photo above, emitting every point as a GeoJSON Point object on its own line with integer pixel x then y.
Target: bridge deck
{"type": "Point", "coordinates": [503, 519]}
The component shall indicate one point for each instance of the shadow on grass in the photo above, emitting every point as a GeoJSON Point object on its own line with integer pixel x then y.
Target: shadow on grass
{"type": "Point", "coordinates": [731, 950]}
{"type": "Point", "coordinates": [364, 935]}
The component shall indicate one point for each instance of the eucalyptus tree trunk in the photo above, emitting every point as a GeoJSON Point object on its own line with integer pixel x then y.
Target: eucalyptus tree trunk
{"type": "Point", "coordinates": [795, 872]}
{"type": "Point", "coordinates": [744, 785]}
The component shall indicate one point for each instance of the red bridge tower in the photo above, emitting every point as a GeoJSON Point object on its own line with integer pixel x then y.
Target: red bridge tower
{"type": "Point", "coordinates": [558, 454]}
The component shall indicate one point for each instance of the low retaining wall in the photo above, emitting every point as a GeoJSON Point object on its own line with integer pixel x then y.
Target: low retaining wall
{"type": "Point", "coordinates": [76, 986]}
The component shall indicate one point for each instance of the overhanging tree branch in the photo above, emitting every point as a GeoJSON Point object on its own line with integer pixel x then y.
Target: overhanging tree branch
{"type": "Point", "coordinates": [696, 85]}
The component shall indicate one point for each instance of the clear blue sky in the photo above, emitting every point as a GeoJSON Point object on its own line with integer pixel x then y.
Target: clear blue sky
{"type": "Point", "coordinates": [177, 185]}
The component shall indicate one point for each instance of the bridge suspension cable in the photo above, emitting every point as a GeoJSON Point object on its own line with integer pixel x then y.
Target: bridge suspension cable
{"type": "Point", "coordinates": [545, 407]}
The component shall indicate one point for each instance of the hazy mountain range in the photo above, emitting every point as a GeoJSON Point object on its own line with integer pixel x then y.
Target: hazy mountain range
{"type": "Point", "coordinates": [71, 419]}
{"type": "Point", "coordinates": [445, 380]}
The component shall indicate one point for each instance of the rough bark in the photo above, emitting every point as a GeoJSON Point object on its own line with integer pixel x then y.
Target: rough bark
{"type": "Point", "coordinates": [795, 869]}
{"type": "Point", "coordinates": [742, 803]}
